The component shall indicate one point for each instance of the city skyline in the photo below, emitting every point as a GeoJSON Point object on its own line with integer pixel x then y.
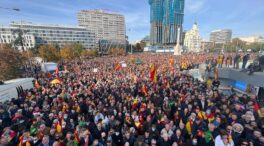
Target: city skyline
{"type": "Point", "coordinates": [209, 14]}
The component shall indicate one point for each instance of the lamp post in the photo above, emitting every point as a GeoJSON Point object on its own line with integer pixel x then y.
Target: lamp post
{"type": "Point", "coordinates": [131, 49]}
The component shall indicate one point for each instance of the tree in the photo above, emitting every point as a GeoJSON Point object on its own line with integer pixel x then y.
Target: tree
{"type": "Point", "coordinates": [68, 52]}
{"type": "Point", "coordinates": [49, 53]}
{"type": "Point", "coordinates": [19, 41]}
{"type": "Point", "coordinates": [116, 51]}
{"type": "Point", "coordinates": [78, 48]}
{"type": "Point", "coordinates": [89, 53]}
{"type": "Point", "coordinates": [35, 49]}
{"type": "Point", "coordinates": [11, 62]}
{"type": "Point", "coordinates": [138, 47]}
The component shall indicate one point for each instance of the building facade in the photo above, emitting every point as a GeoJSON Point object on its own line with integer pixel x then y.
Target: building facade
{"type": "Point", "coordinates": [193, 40]}
{"type": "Point", "coordinates": [221, 36]}
{"type": "Point", "coordinates": [56, 34]}
{"type": "Point", "coordinates": [207, 45]}
{"type": "Point", "coordinates": [8, 36]}
{"type": "Point", "coordinates": [165, 18]}
{"type": "Point", "coordinates": [106, 26]}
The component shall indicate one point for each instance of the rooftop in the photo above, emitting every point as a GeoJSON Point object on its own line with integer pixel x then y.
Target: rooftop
{"type": "Point", "coordinates": [220, 30]}
{"type": "Point", "coordinates": [102, 11]}
{"type": "Point", "coordinates": [24, 23]}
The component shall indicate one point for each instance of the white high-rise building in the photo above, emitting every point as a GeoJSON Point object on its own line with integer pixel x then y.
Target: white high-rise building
{"type": "Point", "coordinates": [106, 26]}
{"type": "Point", "coordinates": [193, 40]}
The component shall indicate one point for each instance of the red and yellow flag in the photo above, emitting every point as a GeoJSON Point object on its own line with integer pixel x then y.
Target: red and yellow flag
{"type": "Point", "coordinates": [118, 66]}
{"type": "Point", "coordinates": [144, 90]}
{"type": "Point", "coordinates": [257, 109]}
{"type": "Point", "coordinates": [58, 127]}
{"type": "Point", "coordinates": [153, 73]}
{"type": "Point", "coordinates": [57, 71]}
{"type": "Point", "coordinates": [171, 61]}
{"type": "Point", "coordinates": [189, 127]}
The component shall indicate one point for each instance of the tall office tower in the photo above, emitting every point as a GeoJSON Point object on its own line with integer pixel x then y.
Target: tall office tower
{"type": "Point", "coordinates": [105, 25]}
{"type": "Point", "coordinates": [166, 16]}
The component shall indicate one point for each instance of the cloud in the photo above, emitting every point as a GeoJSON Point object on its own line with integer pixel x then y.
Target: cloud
{"type": "Point", "coordinates": [194, 6]}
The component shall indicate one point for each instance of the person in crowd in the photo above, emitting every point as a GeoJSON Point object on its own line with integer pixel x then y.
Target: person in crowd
{"type": "Point", "coordinates": [236, 61]}
{"type": "Point", "coordinates": [220, 61]}
{"type": "Point", "coordinates": [245, 60]}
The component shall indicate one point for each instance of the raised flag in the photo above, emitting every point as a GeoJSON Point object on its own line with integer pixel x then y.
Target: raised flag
{"type": "Point", "coordinates": [257, 109]}
{"type": "Point", "coordinates": [58, 127]}
{"type": "Point", "coordinates": [189, 127]}
{"type": "Point", "coordinates": [118, 66]}
{"type": "Point", "coordinates": [153, 73]}
{"type": "Point", "coordinates": [144, 90]}
{"type": "Point", "coordinates": [210, 117]}
{"type": "Point", "coordinates": [171, 61]}
{"type": "Point", "coordinates": [57, 71]}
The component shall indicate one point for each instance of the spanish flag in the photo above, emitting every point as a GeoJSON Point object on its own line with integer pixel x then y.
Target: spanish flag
{"type": "Point", "coordinates": [57, 71]}
{"type": "Point", "coordinates": [144, 90]}
{"type": "Point", "coordinates": [210, 117]}
{"type": "Point", "coordinates": [58, 127]}
{"type": "Point", "coordinates": [21, 143]}
{"type": "Point", "coordinates": [117, 66]}
{"type": "Point", "coordinates": [153, 73]}
{"type": "Point", "coordinates": [189, 127]}
{"type": "Point", "coordinates": [171, 61]}
{"type": "Point", "coordinates": [257, 110]}
{"type": "Point", "coordinates": [78, 109]}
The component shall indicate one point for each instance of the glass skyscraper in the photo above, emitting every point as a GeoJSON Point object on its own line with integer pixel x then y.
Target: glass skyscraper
{"type": "Point", "coordinates": [165, 18]}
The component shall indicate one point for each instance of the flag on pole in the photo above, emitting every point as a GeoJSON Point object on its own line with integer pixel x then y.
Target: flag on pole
{"type": "Point", "coordinates": [257, 109]}
{"type": "Point", "coordinates": [189, 127]}
{"type": "Point", "coordinates": [144, 90]}
{"type": "Point", "coordinates": [58, 127]}
{"type": "Point", "coordinates": [171, 61]}
{"type": "Point", "coordinates": [153, 73]}
{"type": "Point", "coordinates": [57, 71]}
{"type": "Point", "coordinates": [118, 66]}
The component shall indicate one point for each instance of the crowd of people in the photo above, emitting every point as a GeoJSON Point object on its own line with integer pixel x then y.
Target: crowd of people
{"type": "Point", "coordinates": [112, 101]}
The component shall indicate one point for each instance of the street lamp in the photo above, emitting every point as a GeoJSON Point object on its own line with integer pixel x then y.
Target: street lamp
{"type": "Point", "coordinates": [131, 49]}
